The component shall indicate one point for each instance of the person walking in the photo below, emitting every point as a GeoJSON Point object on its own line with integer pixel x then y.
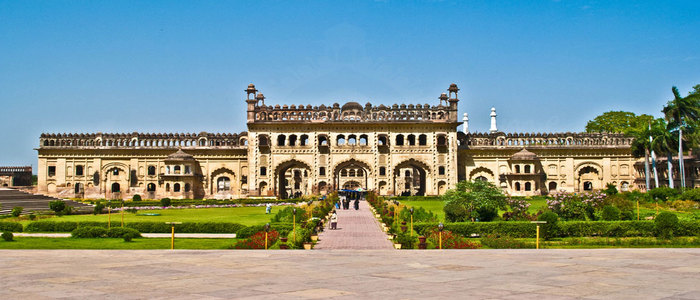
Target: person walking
{"type": "Point", "coordinates": [357, 204]}
{"type": "Point", "coordinates": [334, 220]}
{"type": "Point", "coordinates": [268, 208]}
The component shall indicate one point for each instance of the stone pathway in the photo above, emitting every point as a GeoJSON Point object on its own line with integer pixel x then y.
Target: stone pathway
{"type": "Point", "coordinates": [357, 229]}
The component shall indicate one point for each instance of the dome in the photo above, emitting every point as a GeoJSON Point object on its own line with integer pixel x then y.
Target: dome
{"type": "Point", "coordinates": [524, 155]}
{"type": "Point", "coordinates": [180, 156]}
{"type": "Point", "coordinates": [351, 106]}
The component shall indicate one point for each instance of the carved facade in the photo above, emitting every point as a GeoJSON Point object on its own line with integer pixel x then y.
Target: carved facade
{"type": "Point", "coordinates": [294, 150]}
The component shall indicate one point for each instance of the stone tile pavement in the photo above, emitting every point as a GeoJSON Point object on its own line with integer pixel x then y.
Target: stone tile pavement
{"type": "Point", "coordinates": [351, 274]}
{"type": "Point", "coordinates": [357, 229]}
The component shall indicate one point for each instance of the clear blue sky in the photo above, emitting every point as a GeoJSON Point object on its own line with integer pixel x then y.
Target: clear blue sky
{"type": "Point", "coordinates": [167, 66]}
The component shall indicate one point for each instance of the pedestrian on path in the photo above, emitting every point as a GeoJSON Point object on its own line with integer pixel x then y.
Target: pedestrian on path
{"type": "Point", "coordinates": [268, 208]}
{"type": "Point", "coordinates": [334, 221]}
{"type": "Point", "coordinates": [357, 204]}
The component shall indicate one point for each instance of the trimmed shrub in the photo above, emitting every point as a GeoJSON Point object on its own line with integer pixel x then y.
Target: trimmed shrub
{"type": "Point", "coordinates": [89, 232]}
{"type": "Point", "coordinates": [99, 207]}
{"type": "Point", "coordinates": [32, 217]}
{"type": "Point", "coordinates": [691, 194]}
{"type": "Point", "coordinates": [119, 232]}
{"type": "Point", "coordinates": [165, 202]}
{"type": "Point", "coordinates": [136, 198]}
{"type": "Point", "coordinates": [8, 236]}
{"type": "Point", "coordinates": [504, 242]}
{"type": "Point", "coordinates": [10, 226]}
{"type": "Point", "coordinates": [666, 223]}
{"type": "Point", "coordinates": [406, 240]}
{"type": "Point", "coordinates": [17, 210]}
{"type": "Point", "coordinates": [663, 193]}
{"type": "Point", "coordinates": [151, 227]}
{"type": "Point", "coordinates": [487, 214]}
{"type": "Point", "coordinates": [57, 206]}
{"type": "Point", "coordinates": [551, 228]}
{"type": "Point", "coordinates": [455, 212]}
{"type": "Point", "coordinates": [610, 213]}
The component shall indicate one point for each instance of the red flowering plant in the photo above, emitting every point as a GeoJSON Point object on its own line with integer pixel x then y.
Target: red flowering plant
{"type": "Point", "coordinates": [450, 240]}
{"type": "Point", "coordinates": [257, 241]}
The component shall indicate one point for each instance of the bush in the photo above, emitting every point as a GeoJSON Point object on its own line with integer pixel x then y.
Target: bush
{"type": "Point", "coordinates": [98, 209]}
{"type": "Point", "coordinates": [136, 198]}
{"type": "Point", "coordinates": [663, 193]}
{"type": "Point", "coordinates": [691, 194]}
{"type": "Point", "coordinates": [16, 211]}
{"type": "Point", "coordinates": [32, 217]}
{"type": "Point", "coordinates": [165, 202]}
{"type": "Point", "coordinates": [10, 226]}
{"type": "Point", "coordinates": [120, 232]}
{"type": "Point", "coordinates": [257, 241]}
{"type": "Point", "coordinates": [666, 223]}
{"type": "Point", "coordinates": [89, 232]}
{"type": "Point", "coordinates": [57, 206]}
{"type": "Point", "coordinates": [610, 189]}
{"type": "Point", "coordinates": [455, 212]}
{"type": "Point", "coordinates": [128, 237]}
{"type": "Point", "coordinates": [8, 236]}
{"type": "Point", "coordinates": [504, 242]}
{"type": "Point", "coordinates": [684, 205]}
{"type": "Point", "coordinates": [406, 240]}
{"type": "Point", "coordinates": [611, 213]}
{"type": "Point", "coordinates": [487, 214]}
{"type": "Point", "coordinates": [67, 210]}
{"type": "Point", "coordinates": [551, 228]}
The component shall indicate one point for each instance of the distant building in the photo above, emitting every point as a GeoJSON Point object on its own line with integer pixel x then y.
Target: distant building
{"type": "Point", "coordinates": [15, 176]}
{"type": "Point", "coordinates": [292, 150]}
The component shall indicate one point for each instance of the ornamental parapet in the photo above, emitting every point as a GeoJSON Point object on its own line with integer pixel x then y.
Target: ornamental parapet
{"type": "Point", "coordinates": [444, 112]}
{"type": "Point", "coordinates": [543, 140]}
{"type": "Point", "coordinates": [144, 140]}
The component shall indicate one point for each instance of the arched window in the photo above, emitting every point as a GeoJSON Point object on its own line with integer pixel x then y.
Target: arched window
{"type": "Point", "coordinates": [422, 140]}
{"type": "Point", "coordinates": [280, 140]}
{"type": "Point", "coordinates": [292, 140]}
{"type": "Point", "coordinates": [399, 140]}
{"type": "Point", "coordinates": [528, 186]}
{"type": "Point", "coordinates": [411, 140]}
{"type": "Point", "coordinates": [116, 188]}
{"type": "Point", "coordinates": [223, 184]}
{"type": "Point", "coordinates": [381, 141]}
{"type": "Point", "coordinates": [115, 172]}
{"type": "Point", "coordinates": [78, 170]}
{"type": "Point", "coordinates": [343, 173]}
{"type": "Point", "coordinates": [441, 141]}
{"type": "Point", "coordinates": [482, 178]}
{"type": "Point", "coordinates": [341, 140]}
{"type": "Point", "coordinates": [263, 171]}
{"type": "Point", "coordinates": [408, 173]}
{"type": "Point", "coordinates": [527, 169]}
{"type": "Point", "coordinates": [322, 140]}
{"type": "Point", "coordinates": [187, 187]}
{"type": "Point", "coordinates": [177, 169]}
{"type": "Point", "coordinates": [517, 168]}
{"type": "Point", "coordinates": [304, 141]}
{"type": "Point", "coordinates": [176, 187]}
{"type": "Point", "coordinates": [441, 170]}
{"type": "Point", "coordinates": [517, 186]}
{"type": "Point", "coordinates": [351, 173]}
{"type": "Point", "coordinates": [587, 186]}
{"type": "Point", "coordinates": [352, 140]}
{"type": "Point", "coordinates": [167, 187]}
{"type": "Point", "coordinates": [151, 170]}
{"type": "Point", "coordinates": [151, 187]}
{"type": "Point", "coordinates": [322, 171]}
{"type": "Point", "coordinates": [552, 186]}
{"type": "Point", "coordinates": [382, 171]}
{"type": "Point", "coordinates": [363, 140]}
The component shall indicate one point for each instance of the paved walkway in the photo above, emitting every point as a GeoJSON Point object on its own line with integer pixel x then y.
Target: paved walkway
{"type": "Point", "coordinates": [351, 274]}
{"type": "Point", "coordinates": [357, 229]}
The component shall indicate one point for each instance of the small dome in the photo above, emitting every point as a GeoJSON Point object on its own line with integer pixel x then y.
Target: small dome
{"type": "Point", "coordinates": [524, 155]}
{"type": "Point", "coordinates": [351, 106]}
{"type": "Point", "coordinates": [180, 156]}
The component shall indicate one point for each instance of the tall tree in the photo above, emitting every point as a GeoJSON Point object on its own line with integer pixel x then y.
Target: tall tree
{"type": "Point", "coordinates": [617, 122]}
{"type": "Point", "coordinates": [666, 142]}
{"type": "Point", "coordinates": [682, 111]}
{"type": "Point", "coordinates": [640, 148]}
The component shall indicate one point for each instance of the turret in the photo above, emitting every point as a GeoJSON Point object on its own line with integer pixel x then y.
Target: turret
{"type": "Point", "coordinates": [251, 101]}
{"type": "Point", "coordinates": [493, 120]}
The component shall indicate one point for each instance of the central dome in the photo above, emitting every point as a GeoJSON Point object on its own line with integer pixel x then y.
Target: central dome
{"type": "Point", "coordinates": [351, 106]}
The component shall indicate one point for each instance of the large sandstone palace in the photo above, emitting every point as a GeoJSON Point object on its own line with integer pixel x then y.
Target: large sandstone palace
{"type": "Point", "coordinates": [291, 150]}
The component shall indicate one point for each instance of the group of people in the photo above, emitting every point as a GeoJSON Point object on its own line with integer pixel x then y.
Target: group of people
{"type": "Point", "coordinates": [344, 202]}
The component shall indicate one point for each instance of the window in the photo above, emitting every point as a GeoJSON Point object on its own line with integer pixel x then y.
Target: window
{"type": "Point", "coordinates": [351, 173]}
{"type": "Point", "coordinates": [151, 187]}
{"type": "Point", "coordinates": [263, 171]}
{"type": "Point", "coordinates": [187, 187]}
{"type": "Point", "coordinates": [517, 186]}
{"type": "Point", "coordinates": [399, 140]}
{"type": "Point", "coordinates": [340, 140]}
{"type": "Point", "coordinates": [292, 140]}
{"type": "Point", "coordinates": [441, 171]}
{"type": "Point", "coordinates": [441, 141]}
{"type": "Point", "coordinates": [188, 170]}
{"type": "Point", "coordinates": [528, 186]}
{"type": "Point", "coordinates": [280, 140]}
{"type": "Point", "coordinates": [517, 168]}
{"type": "Point", "coordinates": [223, 184]}
{"type": "Point", "coordinates": [78, 170]}
{"type": "Point", "coordinates": [115, 172]}
{"type": "Point", "coordinates": [411, 140]}
{"type": "Point", "coordinates": [322, 140]}
{"type": "Point", "coordinates": [527, 169]}
{"type": "Point", "coordinates": [363, 140]}
{"type": "Point", "coordinates": [304, 140]}
{"type": "Point", "coordinates": [352, 140]}
{"type": "Point", "coordinates": [167, 187]}
{"type": "Point", "coordinates": [382, 171]}
{"type": "Point", "coordinates": [176, 169]}
{"type": "Point", "coordinates": [176, 187]}
{"type": "Point", "coordinates": [381, 141]}
{"type": "Point", "coordinates": [422, 140]}
{"type": "Point", "coordinates": [408, 173]}
{"type": "Point", "coordinates": [151, 170]}
{"type": "Point", "coordinates": [322, 171]}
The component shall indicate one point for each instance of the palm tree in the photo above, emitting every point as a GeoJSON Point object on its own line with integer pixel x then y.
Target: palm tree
{"type": "Point", "coordinates": [640, 147]}
{"type": "Point", "coordinates": [665, 142]}
{"type": "Point", "coordinates": [677, 111]}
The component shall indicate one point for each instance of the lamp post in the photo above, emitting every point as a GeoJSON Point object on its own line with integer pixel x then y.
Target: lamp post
{"type": "Point", "coordinates": [294, 223]}
{"type": "Point", "coordinates": [172, 233]}
{"type": "Point", "coordinates": [537, 240]}
{"type": "Point", "coordinates": [122, 213]}
{"type": "Point", "coordinates": [440, 228]}
{"type": "Point", "coordinates": [411, 210]}
{"type": "Point", "coordinates": [396, 211]}
{"type": "Point", "coordinates": [267, 229]}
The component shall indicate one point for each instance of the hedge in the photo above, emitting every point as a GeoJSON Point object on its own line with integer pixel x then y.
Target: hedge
{"type": "Point", "coordinates": [566, 229]}
{"type": "Point", "coordinates": [155, 227]}
{"type": "Point", "coordinates": [189, 202]}
{"type": "Point", "coordinates": [10, 227]}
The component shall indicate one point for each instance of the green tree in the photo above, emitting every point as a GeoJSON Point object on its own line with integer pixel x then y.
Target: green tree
{"type": "Point", "coordinates": [617, 122]}
{"type": "Point", "coordinates": [665, 142]}
{"type": "Point", "coordinates": [469, 197]}
{"type": "Point", "coordinates": [681, 112]}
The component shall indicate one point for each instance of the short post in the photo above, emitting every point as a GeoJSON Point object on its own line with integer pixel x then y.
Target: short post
{"type": "Point", "coordinates": [411, 210]}
{"type": "Point", "coordinates": [537, 240]}
{"type": "Point", "coordinates": [109, 214]}
{"type": "Point", "coordinates": [122, 213]}
{"type": "Point", "coordinates": [172, 233]}
{"type": "Point", "coordinates": [267, 229]}
{"type": "Point", "coordinates": [440, 228]}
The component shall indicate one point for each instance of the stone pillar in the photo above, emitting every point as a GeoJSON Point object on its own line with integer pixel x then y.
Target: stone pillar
{"type": "Point", "coordinates": [493, 120]}
{"type": "Point", "coordinates": [465, 119]}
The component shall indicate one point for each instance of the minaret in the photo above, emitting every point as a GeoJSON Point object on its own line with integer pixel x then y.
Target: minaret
{"type": "Point", "coordinates": [493, 120]}
{"type": "Point", "coordinates": [251, 102]}
{"type": "Point", "coordinates": [465, 119]}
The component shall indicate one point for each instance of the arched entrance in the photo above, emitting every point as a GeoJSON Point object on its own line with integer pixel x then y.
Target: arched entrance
{"type": "Point", "coordinates": [351, 175]}
{"type": "Point", "coordinates": [116, 188]}
{"type": "Point", "coordinates": [589, 178]}
{"type": "Point", "coordinates": [410, 178]}
{"type": "Point", "coordinates": [292, 179]}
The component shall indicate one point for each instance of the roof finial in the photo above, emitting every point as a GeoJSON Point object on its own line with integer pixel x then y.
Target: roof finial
{"type": "Point", "coordinates": [493, 120]}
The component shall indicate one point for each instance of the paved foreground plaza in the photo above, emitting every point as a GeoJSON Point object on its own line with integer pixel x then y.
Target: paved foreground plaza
{"type": "Point", "coordinates": [351, 274]}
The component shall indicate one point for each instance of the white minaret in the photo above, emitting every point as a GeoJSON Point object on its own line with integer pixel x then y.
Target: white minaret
{"type": "Point", "coordinates": [466, 123]}
{"type": "Point", "coordinates": [493, 120]}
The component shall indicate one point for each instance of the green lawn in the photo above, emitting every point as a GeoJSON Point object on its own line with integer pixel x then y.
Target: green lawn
{"type": "Point", "coordinates": [435, 206]}
{"type": "Point", "coordinates": [243, 215]}
{"type": "Point", "coordinates": [110, 243]}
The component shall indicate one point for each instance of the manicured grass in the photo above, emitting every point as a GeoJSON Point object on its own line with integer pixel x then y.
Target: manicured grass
{"type": "Point", "coordinates": [434, 206]}
{"type": "Point", "coordinates": [243, 215]}
{"type": "Point", "coordinates": [111, 243]}
{"type": "Point", "coordinates": [610, 242]}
